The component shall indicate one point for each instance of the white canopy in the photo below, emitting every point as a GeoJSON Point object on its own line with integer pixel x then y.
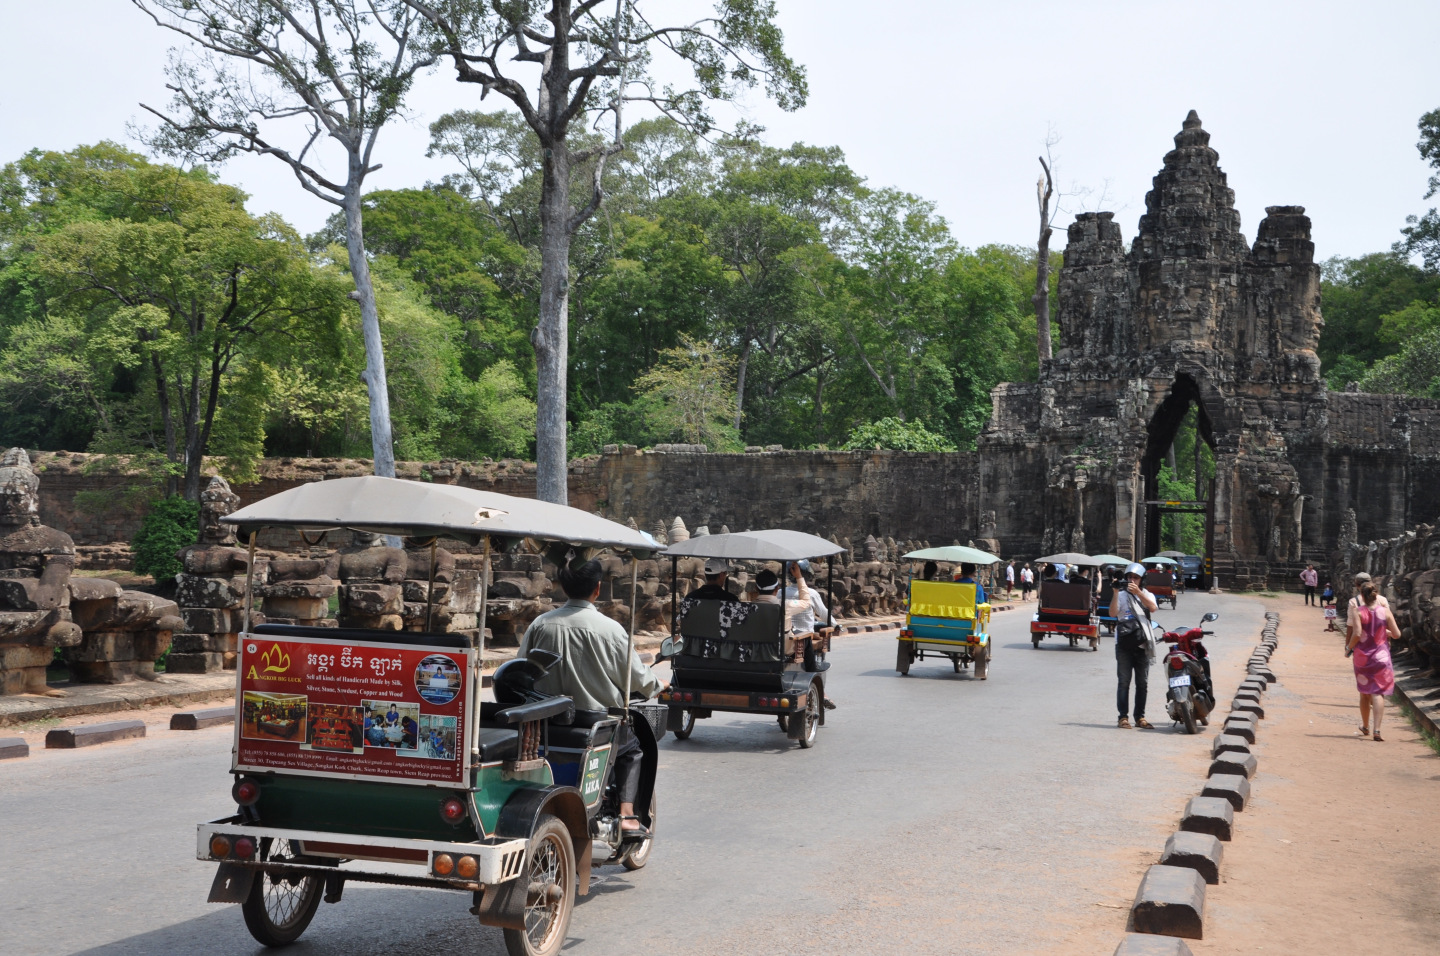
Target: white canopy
{"type": "Point", "coordinates": [420, 509]}
{"type": "Point", "coordinates": [768, 545]}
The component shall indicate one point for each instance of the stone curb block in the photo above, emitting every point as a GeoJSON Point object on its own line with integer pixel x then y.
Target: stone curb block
{"type": "Point", "coordinates": [1230, 762]}
{"type": "Point", "coordinates": [1201, 852]}
{"type": "Point", "coordinates": [1258, 686]}
{"type": "Point", "coordinates": [1233, 787]}
{"type": "Point", "coordinates": [1262, 672]}
{"type": "Point", "coordinates": [1138, 944]}
{"type": "Point", "coordinates": [1212, 815]}
{"type": "Point", "coordinates": [68, 738]}
{"type": "Point", "coordinates": [1241, 726]}
{"type": "Point", "coordinates": [1243, 705]}
{"type": "Point", "coordinates": [13, 747]}
{"type": "Point", "coordinates": [1229, 743]}
{"type": "Point", "coordinates": [1170, 902]}
{"type": "Point", "coordinates": [200, 719]}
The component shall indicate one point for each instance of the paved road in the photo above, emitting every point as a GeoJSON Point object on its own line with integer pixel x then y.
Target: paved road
{"type": "Point", "coordinates": [936, 814]}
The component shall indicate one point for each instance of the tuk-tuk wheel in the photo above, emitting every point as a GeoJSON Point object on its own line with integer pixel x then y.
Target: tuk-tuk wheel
{"type": "Point", "coordinates": [550, 873]}
{"type": "Point", "coordinates": [279, 907]}
{"type": "Point", "coordinates": [1035, 641]}
{"type": "Point", "coordinates": [982, 661]}
{"type": "Point", "coordinates": [687, 726]}
{"type": "Point", "coordinates": [903, 656]}
{"type": "Point", "coordinates": [638, 854]}
{"type": "Point", "coordinates": [955, 662]}
{"type": "Point", "coordinates": [811, 718]}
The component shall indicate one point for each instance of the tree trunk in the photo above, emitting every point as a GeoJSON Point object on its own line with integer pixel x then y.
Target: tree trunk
{"type": "Point", "coordinates": [194, 446]}
{"type": "Point", "coordinates": [1042, 295]}
{"type": "Point", "coordinates": [1176, 521]}
{"type": "Point", "coordinates": [740, 370]}
{"type": "Point", "coordinates": [167, 419]}
{"type": "Point", "coordinates": [374, 374]}
{"type": "Point", "coordinates": [551, 336]}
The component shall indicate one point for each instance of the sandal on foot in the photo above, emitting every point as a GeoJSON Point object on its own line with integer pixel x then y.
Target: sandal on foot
{"type": "Point", "coordinates": [1377, 738]}
{"type": "Point", "coordinates": [1363, 732]}
{"type": "Point", "coordinates": [1142, 724]}
{"type": "Point", "coordinates": [639, 834]}
{"type": "Point", "coordinates": [1124, 723]}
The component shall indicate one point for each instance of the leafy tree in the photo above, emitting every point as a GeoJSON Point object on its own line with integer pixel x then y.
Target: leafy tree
{"type": "Point", "coordinates": [692, 387]}
{"type": "Point", "coordinates": [590, 65]}
{"type": "Point", "coordinates": [173, 523]}
{"type": "Point", "coordinates": [1414, 370]}
{"type": "Point", "coordinates": [1355, 295]}
{"type": "Point", "coordinates": [896, 434]}
{"type": "Point", "coordinates": [157, 285]}
{"type": "Point", "coordinates": [1422, 236]}
{"type": "Point", "coordinates": [342, 67]}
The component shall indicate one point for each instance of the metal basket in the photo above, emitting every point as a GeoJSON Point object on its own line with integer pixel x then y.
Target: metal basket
{"type": "Point", "coordinates": [655, 714]}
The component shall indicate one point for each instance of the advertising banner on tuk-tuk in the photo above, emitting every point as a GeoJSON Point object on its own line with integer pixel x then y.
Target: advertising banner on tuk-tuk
{"type": "Point", "coordinates": [324, 707]}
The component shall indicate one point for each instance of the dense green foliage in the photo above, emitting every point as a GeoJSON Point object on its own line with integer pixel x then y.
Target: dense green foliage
{"type": "Point", "coordinates": [897, 435]}
{"type": "Point", "coordinates": [173, 523]}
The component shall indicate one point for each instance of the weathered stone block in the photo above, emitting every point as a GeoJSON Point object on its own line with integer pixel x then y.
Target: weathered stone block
{"type": "Point", "coordinates": [16, 656]}
{"type": "Point", "coordinates": [102, 672]}
{"type": "Point", "coordinates": [369, 599]}
{"type": "Point", "coordinates": [149, 645]}
{"type": "Point", "coordinates": [276, 590]}
{"type": "Point", "coordinates": [1170, 902]}
{"type": "Point", "coordinates": [68, 738]}
{"type": "Point", "coordinates": [1231, 762]}
{"type": "Point", "coordinates": [1233, 787]}
{"type": "Point", "coordinates": [194, 663]}
{"type": "Point", "coordinates": [195, 591]}
{"type": "Point", "coordinates": [296, 608]}
{"type": "Point", "coordinates": [1229, 743]}
{"type": "Point", "coordinates": [210, 620]}
{"type": "Point", "coordinates": [1243, 705]}
{"type": "Point", "coordinates": [1201, 852]}
{"type": "Point", "coordinates": [103, 646]}
{"type": "Point", "coordinates": [200, 719]}
{"type": "Point", "coordinates": [12, 748]}
{"type": "Point", "coordinates": [1241, 726]}
{"type": "Point", "coordinates": [1212, 815]}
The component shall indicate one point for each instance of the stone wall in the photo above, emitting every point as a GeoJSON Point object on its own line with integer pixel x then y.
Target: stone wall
{"type": "Point", "coordinates": [903, 495]}
{"type": "Point", "coordinates": [1406, 570]}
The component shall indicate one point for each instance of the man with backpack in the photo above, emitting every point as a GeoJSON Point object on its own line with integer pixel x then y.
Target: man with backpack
{"type": "Point", "coordinates": [1132, 606]}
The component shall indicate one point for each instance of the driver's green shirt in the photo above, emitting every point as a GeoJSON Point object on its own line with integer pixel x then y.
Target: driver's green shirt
{"type": "Point", "coordinates": [592, 649]}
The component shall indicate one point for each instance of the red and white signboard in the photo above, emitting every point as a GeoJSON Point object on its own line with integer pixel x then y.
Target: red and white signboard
{"type": "Point", "coordinates": [332, 708]}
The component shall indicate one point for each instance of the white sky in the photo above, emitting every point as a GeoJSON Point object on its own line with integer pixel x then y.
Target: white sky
{"type": "Point", "coordinates": [1309, 102]}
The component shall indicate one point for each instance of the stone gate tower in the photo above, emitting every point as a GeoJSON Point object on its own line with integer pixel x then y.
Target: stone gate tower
{"type": "Point", "coordinates": [1192, 314]}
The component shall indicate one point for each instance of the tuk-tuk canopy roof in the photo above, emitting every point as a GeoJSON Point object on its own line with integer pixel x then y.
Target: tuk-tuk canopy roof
{"type": "Point", "coordinates": [417, 509]}
{"type": "Point", "coordinates": [1159, 559]}
{"type": "Point", "coordinates": [955, 553]}
{"type": "Point", "coordinates": [1107, 559]}
{"type": "Point", "coordinates": [767, 545]}
{"type": "Point", "coordinates": [1068, 557]}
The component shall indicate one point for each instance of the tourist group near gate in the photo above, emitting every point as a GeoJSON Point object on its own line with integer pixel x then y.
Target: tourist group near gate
{"type": "Point", "coordinates": [638, 533]}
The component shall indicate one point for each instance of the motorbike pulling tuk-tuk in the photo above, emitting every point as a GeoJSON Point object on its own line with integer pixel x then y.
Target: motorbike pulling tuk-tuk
{"type": "Point", "coordinates": [1160, 579]}
{"type": "Point", "coordinates": [944, 619]}
{"type": "Point", "coordinates": [1066, 608]}
{"type": "Point", "coordinates": [745, 658]}
{"type": "Point", "coordinates": [505, 801]}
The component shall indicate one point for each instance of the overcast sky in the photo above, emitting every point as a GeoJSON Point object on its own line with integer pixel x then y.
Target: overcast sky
{"type": "Point", "coordinates": [1309, 102]}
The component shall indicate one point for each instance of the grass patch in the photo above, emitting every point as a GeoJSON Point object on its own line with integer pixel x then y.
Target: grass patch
{"type": "Point", "coordinates": [44, 723]}
{"type": "Point", "coordinates": [1266, 594]}
{"type": "Point", "coordinates": [1409, 714]}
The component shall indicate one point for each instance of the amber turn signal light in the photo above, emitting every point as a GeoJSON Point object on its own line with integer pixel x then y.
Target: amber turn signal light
{"type": "Point", "coordinates": [467, 867]}
{"type": "Point", "coordinates": [444, 864]}
{"type": "Point", "coordinates": [219, 846]}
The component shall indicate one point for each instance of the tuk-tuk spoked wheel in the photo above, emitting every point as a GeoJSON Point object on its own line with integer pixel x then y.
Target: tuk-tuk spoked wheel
{"type": "Point", "coordinates": [903, 656]}
{"type": "Point", "coordinates": [687, 726]}
{"type": "Point", "coordinates": [982, 661]}
{"type": "Point", "coordinates": [550, 898]}
{"type": "Point", "coordinates": [811, 717]}
{"type": "Point", "coordinates": [280, 906]}
{"type": "Point", "coordinates": [638, 854]}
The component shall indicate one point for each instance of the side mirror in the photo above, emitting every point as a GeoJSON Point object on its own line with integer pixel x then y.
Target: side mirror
{"type": "Point", "coordinates": [670, 647]}
{"type": "Point", "coordinates": [1209, 616]}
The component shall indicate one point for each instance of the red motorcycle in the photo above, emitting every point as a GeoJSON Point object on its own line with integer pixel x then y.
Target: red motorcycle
{"type": "Point", "coordinates": [1190, 697]}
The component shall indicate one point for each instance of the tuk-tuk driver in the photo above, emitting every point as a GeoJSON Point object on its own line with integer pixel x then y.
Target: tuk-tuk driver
{"type": "Point", "coordinates": [967, 576]}
{"type": "Point", "coordinates": [592, 668]}
{"type": "Point", "coordinates": [716, 571]}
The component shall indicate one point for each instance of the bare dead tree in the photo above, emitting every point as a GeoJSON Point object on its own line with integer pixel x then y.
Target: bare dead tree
{"type": "Point", "coordinates": [258, 73]}
{"type": "Point", "coordinates": [587, 58]}
{"type": "Point", "coordinates": [1044, 193]}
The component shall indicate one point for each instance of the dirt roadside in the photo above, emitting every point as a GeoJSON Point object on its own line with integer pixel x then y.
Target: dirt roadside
{"type": "Point", "coordinates": [1337, 850]}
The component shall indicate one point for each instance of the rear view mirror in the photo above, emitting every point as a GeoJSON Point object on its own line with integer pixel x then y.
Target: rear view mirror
{"type": "Point", "coordinates": [1209, 616]}
{"type": "Point", "coordinates": [670, 647]}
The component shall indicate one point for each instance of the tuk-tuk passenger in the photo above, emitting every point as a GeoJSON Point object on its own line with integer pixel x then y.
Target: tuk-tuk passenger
{"type": "Point", "coordinates": [716, 571]}
{"type": "Point", "coordinates": [930, 572]}
{"type": "Point", "coordinates": [592, 667]}
{"type": "Point", "coordinates": [967, 576]}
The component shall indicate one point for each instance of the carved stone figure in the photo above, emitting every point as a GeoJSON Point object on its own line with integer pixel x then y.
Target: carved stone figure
{"type": "Point", "coordinates": [210, 589]}
{"type": "Point", "coordinates": [371, 575]}
{"type": "Point", "coordinates": [35, 566]}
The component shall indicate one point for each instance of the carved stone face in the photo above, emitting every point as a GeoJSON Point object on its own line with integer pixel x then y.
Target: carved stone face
{"type": "Point", "coordinates": [19, 489]}
{"type": "Point", "coordinates": [217, 501]}
{"type": "Point", "coordinates": [1432, 552]}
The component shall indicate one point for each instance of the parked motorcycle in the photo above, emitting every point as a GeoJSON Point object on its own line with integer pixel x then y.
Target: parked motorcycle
{"type": "Point", "coordinates": [1190, 697]}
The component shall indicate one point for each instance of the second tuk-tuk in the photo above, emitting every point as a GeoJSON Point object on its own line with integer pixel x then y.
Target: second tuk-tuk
{"type": "Point", "coordinates": [743, 657]}
{"type": "Point", "coordinates": [944, 619]}
{"type": "Point", "coordinates": [1066, 608]}
{"type": "Point", "coordinates": [1160, 579]}
{"type": "Point", "coordinates": [355, 746]}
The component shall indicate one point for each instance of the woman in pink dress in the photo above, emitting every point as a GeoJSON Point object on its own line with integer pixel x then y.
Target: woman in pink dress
{"type": "Point", "coordinates": [1371, 628]}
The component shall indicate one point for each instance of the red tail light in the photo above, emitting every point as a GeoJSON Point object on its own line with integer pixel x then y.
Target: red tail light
{"type": "Point", "coordinates": [246, 792]}
{"type": "Point", "coordinates": [452, 810]}
{"type": "Point", "coordinates": [244, 848]}
{"type": "Point", "coordinates": [1177, 663]}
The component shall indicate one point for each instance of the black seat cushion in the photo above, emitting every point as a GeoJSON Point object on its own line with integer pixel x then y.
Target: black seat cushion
{"type": "Point", "coordinates": [497, 743]}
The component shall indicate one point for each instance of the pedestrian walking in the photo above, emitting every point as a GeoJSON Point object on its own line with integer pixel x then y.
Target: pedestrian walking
{"type": "Point", "coordinates": [1010, 581]}
{"type": "Point", "coordinates": [1367, 641]}
{"type": "Point", "coordinates": [1134, 648]}
{"type": "Point", "coordinates": [1309, 577]}
{"type": "Point", "coordinates": [1027, 582]}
